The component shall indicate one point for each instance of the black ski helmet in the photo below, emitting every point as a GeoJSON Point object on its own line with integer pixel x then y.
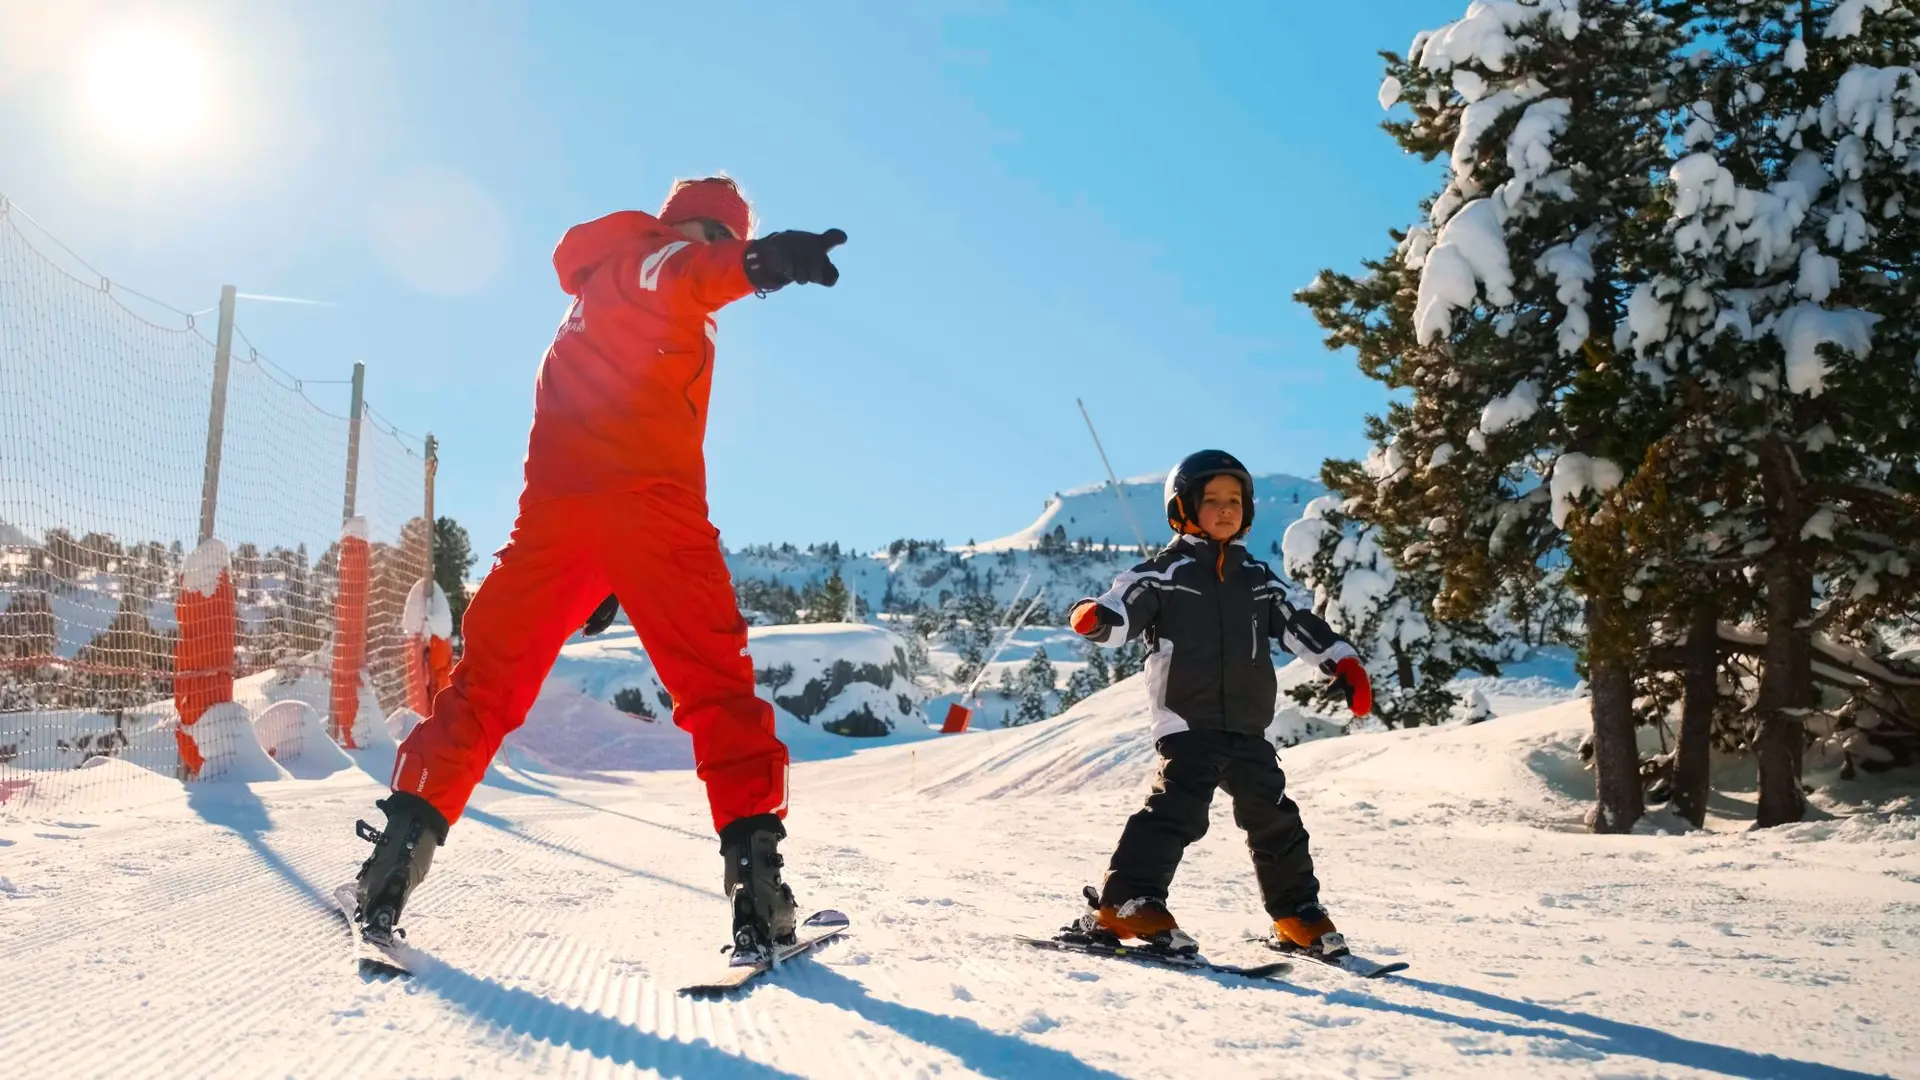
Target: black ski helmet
{"type": "Point", "coordinates": [1189, 479]}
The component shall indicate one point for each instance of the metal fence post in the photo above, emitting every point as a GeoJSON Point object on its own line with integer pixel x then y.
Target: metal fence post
{"type": "Point", "coordinates": [217, 414]}
{"type": "Point", "coordinates": [433, 466]}
{"type": "Point", "coordinates": [353, 437]}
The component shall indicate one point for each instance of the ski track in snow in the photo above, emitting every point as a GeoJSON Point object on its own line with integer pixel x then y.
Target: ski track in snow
{"type": "Point", "coordinates": [196, 937]}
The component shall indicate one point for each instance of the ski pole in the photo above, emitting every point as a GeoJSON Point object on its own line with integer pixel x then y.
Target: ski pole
{"type": "Point", "coordinates": [1118, 492]}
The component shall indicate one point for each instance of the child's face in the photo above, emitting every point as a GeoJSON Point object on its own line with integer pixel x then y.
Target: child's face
{"type": "Point", "coordinates": [1220, 508]}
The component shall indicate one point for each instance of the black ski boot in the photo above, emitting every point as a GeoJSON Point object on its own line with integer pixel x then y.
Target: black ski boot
{"type": "Point", "coordinates": [399, 861]}
{"type": "Point", "coordinates": [763, 910]}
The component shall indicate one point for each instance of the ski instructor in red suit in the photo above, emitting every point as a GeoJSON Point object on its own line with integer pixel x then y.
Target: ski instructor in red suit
{"type": "Point", "coordinates": [615, 502]}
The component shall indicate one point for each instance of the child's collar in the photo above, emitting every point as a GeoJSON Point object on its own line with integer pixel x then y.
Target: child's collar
{"type": "Point", "coordinates": [1201, 539]}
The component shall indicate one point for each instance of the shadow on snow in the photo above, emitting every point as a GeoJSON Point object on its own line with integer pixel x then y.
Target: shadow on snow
{"type": "Point", "coordinates": [986, 1052]}
{"type": "Point", "coordinates": [508, 1008]}
{"type": "Point", "coordinates": [1593, 1033]}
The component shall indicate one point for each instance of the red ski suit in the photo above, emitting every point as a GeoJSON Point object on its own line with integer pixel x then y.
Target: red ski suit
{"type": "Point", "coordinates": [615, 501]}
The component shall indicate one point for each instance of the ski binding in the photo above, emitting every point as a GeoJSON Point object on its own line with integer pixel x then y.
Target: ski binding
{"type": "Point", "coordinates": [1341, 960]}
{"type": "Point", "coordinates": [378, 954]}
{"type": "Point", "coordinates": [819, 928]}
{"type": "Point", "coordinates": [1076, 941]}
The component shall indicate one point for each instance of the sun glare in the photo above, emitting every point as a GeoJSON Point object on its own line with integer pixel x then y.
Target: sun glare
{"type": "Point", "coordinates": [147, 86]}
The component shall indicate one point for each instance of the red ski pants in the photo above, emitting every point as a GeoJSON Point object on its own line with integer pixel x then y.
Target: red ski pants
{"type": "Point", "coordinates": [657, 552]}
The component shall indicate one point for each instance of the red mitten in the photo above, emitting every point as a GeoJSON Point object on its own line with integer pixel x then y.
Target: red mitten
{"type": "Point", "coordinates": [1351, 679]}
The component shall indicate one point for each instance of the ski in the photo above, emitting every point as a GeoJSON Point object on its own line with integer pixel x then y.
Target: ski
{"type": "Point", "coordinates": [1347, 962]}
{"type": "Point", "coordinates": [820, 928]}
{"type": "Point", "coordinates": [375, 956]}
{"type": "Point", "coordinates": [1160, 958]}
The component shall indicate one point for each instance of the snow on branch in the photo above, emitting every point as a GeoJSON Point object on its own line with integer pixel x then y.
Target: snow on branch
{"type": "Point", "coordinates": [1514, 407]}
{"type": "Point", "coordinates": [1471, 251]}
{"type": "Point", "coordinates": [1486, 35]}
{"type": "Point", "coordinates": [1571, 266]}
{"type": "Point", "coordinates": [1574, 474]}
{"type": "Point", "coordinates": [1847, 16]}
{"type": "Point", "coordinates": [1803, 328]}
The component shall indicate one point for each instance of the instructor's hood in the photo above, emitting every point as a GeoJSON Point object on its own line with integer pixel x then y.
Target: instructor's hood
{"type": "Point", "coordinates": [586, 246]}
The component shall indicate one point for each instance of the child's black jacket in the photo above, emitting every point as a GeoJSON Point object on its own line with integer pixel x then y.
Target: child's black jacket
{"type": "Point", "coordinates": [1209, 617]}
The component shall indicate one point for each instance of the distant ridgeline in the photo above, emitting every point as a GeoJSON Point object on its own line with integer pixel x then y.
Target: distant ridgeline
{"type": "Point", "coordinates": [1074, 548]}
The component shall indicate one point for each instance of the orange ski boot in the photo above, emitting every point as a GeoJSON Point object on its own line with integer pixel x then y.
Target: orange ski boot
{"type": "Point", "coordinates": [1309, 930]}
{"type": "Point", "coordinates": [1143, 918]}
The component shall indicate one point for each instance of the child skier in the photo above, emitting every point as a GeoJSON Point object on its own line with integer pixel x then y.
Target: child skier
{"type": "Point", "coordinates": [615, 501]}
{"type": "Point", "coordinates": [1207, 610]}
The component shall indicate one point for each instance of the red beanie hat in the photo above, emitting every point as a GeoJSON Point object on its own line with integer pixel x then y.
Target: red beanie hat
{"type": "Point", "coordinates": [715, 197]}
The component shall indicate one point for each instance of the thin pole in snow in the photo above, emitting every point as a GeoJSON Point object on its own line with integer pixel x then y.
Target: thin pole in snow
{"type": "Point", "coordinates": [1118, 491]}
{"type": "Point", "coordinates": [1004, 642]}
{"type": "Point", "coordinates": [217, 416]}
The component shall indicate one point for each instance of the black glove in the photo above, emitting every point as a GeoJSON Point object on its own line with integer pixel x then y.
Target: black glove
{"type": "Point", "coordinates": [602, 616]}
{"type": "Point", "coordinates": [790, 256]}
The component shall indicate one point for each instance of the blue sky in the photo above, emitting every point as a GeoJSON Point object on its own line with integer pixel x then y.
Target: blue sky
{"type": "Point", "coordinates": [1111, 201]}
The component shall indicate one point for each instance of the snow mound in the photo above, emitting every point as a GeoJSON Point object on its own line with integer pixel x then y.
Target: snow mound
{"type": "Point", "coordinates": [571, 734]}
{"type": "Point", "coordinates": [835, 688]}
{"type": "Point", "coordinates": [293, 735]}
{"type": "Point", "coordinates": [1523, 767]}
{"type": "Point", "coordinates": [847, 678]}
{"type": "Point", "coordinates": [225, 736]}
{"type": "Point", "coordinates": [427, 611]}
{"type": "Point", "coordinates": [400, 724]}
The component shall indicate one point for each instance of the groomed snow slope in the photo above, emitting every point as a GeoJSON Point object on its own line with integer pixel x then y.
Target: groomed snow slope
{"type": "Point", "coordinates": [189, 934]}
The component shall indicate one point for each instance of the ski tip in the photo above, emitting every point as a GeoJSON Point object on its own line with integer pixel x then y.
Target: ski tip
{"type": "Point", "coordinates": [828, 917]}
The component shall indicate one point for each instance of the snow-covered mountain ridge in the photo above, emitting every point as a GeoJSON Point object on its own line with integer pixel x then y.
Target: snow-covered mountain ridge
{"type": "Point", "coordinates": [1080, 540]}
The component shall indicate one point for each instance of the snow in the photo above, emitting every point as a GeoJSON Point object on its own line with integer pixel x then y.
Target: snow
{"type": "Point", "coordinates": [1575, 474]}
{"type": "Point", "coordinates": [1302, 541]}
{"type": "Point", "coordinates": [1571, 266]}
{"type": "Point", "coordinates": [1795, 55]}
{"type": "Point", "coordinates": [355, 528]}
{"type": "Point", "coordinates": [871, 672]}
{"type": "Point", "coordinates": [1803, 328]}
{"type": "Point", "coordinates": [1486, 35]}
{"type": "Point", "coordinates": [295, 736]}
{"type": "Point", "coordinates": [1092, 513]}
{"type": "Point", "coordinates": [1469, 84]}
{"type": "Point", "coordinates": [225, 737]}
{"type": "Point", "coordinates": [1819, 525]}
{"type": "Point", "coordinates": [1384, 463]}
{"type": "Point", "coordinates": [201, 571]}
{"type": "Point", "coordinates": [1471, 252]}
{"type": "Point", "coordinates": [1530, 148]}
{"type": "Point", "coordinates": [1846, 18]}
{"type": "Point", "coordinates": [1389, 92]}
{"type": "Point", "coordinates": [1648, 318]}
{"type": "Point", "coordinates": [564, 910]}
{"type": "Point", "coordinates": [1476, 120]}
{"type": "Point", "coordinates": [427, 611]}
{"type": "Point", "coordinates": [1819, 275]}
{"type": "Point", "coordinates": [1701, 183]}
{"type": "Point", "coordinates": [1516, 406]}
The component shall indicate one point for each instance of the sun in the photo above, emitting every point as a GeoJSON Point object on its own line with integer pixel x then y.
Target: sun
{"type": "Point", "coordinates": [147, 85]}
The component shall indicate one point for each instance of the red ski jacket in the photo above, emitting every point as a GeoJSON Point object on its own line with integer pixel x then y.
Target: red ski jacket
{"type": "Point", "coordinates": [621, 401]}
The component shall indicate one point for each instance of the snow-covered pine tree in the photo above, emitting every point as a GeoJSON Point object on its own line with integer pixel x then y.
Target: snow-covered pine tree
{"type": "Point", "coordinates": [1785, 313]}
{"type": "Point", "coordinates": [828, 602]}
{"type": "Point", "coordinates": [1091, 678]}
{"type": "Point", "coordinates": [1495, 311]}
{"type": "Point", "coordinates": [1099, 677]}
{"type": "Point", "coordinates": [1034, 690]}
{"type": "Point", "coordinates": [1386, 614]}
